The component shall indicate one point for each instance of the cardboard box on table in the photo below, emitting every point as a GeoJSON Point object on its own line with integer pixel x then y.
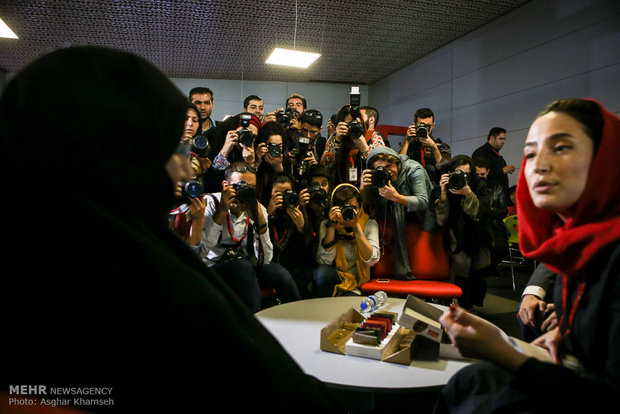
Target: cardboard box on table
{"type": "Point", "coordinates": [336, 337]}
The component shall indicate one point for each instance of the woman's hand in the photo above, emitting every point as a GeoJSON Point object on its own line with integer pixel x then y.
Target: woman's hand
{"type": "Point", "coordinates": [304, 198]}
{"type": "Point", "coordinates": [232, 139]}
{"type": "Point", "coordinates": [297, 216]}
{"type": "Point", "coordinates": [365, 180]}
{"type": "Point", "coordinates": [550, 341]}
{"type": "Point", "coordinates": [197, 208]}
{"type": "Point", "coordinates": [389, 192]}
{"type": "Point", "coordinates": [480, 339]}
{"type": "Point", "coordinates": [275, 202]}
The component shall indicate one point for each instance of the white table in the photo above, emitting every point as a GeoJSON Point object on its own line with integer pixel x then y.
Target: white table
{"type": "Point", "coordinates": [297, 326]}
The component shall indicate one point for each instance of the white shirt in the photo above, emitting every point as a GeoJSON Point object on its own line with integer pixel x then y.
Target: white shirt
{"type": "Point", "coordinates": [212, 247]}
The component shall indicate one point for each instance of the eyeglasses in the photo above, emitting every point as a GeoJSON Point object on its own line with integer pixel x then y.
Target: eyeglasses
{"type": "Point", "coordinates": [243, 169]}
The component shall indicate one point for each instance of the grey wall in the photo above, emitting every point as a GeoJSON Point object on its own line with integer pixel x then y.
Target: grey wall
{"type": "Point", "coordinates": [229, 95]}
{"type": "Point", "coordinates": [505, 72]}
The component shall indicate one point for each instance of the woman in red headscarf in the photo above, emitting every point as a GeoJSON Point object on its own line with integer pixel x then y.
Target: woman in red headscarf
{"type": "Point", "coordinates": [569, 219]}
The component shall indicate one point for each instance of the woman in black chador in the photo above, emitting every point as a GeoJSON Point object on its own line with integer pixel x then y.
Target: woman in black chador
{"type": "Point", "coordinates": [102, 293]}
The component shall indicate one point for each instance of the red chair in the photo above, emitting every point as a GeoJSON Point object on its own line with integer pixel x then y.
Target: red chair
{"type": "Point", "coordinates": [429, 263]}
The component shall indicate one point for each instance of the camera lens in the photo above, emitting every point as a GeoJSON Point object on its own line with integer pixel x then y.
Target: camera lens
{"type": "Point", "coordinates": [355, 129]}
{"type": "Point", "coordinates": [421, 131]}
{"type": "Point", "coordinates": [200, 145]}
{"type": "Point", "coordinates": [290, 199]}
{"type": "Point", "coordinates": [457, 180]}
{"type": "Point", "coordinates": [192, 189]}
{"type": "Point", "coordinates": [246, 137]}
{"type": "Point", "coordinates": [317, 194]}
{"type": "Point", "coordinates": [380, 177]}
{"type": "Point", "coordinates": [274, 150]}
{"type": "Point", "coordinates": [348, 213]}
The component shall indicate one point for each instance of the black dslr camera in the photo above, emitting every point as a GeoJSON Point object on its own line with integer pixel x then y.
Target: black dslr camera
{"type": "Point", "coordinates": [318, 196]}
{"type": "Point", "coordinates": [275, 150]}
{"type": "Point", "coordinates": [284, 116]}
{"type": "Point", "coordinates": [245, 193]}
{"type": "Point", "coordinates": [348, 212]}
{"type": "Point", "coordinates": [457, 180]}
{"type": "Point", "coordinates": [200, 146]}
{"type": "Point", "coordinates": [191, 189]}
{"type": "Point", "coordinates": [246, 137]}
{"type": "Point", "coordinates": [422, 130]}
{"type": "Point", "coordinates": [290, 199]}
{"type": "Point", "coordinates": [380, 177]}
{"type": "Point", "coordinates": [356, 129]}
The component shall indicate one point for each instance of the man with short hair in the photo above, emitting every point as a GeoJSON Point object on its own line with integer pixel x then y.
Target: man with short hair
{"type": "Point", "coordinates": [202, 97]}
{"type": "Point", "coordinates": [254, 105]}
{"type": "Point", "coordinates": [370, 116]}
{"type": "Point", "coordinates": [236, 242]}
{"type": "Point", "coordinates": [498, 168]}
{"type": "Point", "coordinates": [431, 152]}
{"type": "Point", "coordinates": [297, 102]}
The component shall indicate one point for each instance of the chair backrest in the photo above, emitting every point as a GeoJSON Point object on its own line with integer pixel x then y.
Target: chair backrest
{"type": "Point", "coordinates": [427, 258]}
{"type": "Point", "coordinates": [511, 223]}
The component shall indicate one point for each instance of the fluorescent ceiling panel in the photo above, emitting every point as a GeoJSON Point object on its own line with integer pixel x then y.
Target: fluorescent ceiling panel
{"type": "Point", "coordinates": [288, 57]}
{"type": "Point", "coordinates": [5, 31]}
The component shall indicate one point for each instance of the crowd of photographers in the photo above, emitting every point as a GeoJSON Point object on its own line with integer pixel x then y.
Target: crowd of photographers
{"type": "Point", "coordinates": [274, 205]}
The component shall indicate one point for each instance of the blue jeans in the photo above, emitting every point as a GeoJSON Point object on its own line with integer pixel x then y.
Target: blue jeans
{"type": "Point", "coordinates": [246, 281]}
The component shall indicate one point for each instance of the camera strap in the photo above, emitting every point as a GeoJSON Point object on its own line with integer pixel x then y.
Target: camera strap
{"type": "Point", "coordinates": [230, 230]}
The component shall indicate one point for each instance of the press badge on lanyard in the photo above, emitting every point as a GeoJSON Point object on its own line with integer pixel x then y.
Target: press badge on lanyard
{"type": "Point", "coordinates": [353, 174]}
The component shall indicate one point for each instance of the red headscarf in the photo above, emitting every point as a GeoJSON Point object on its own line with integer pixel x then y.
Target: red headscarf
{"type": "Point", "coordinates": [568, 247]}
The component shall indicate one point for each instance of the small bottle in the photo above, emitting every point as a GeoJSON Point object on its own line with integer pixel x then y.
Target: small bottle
{"type": "Point", "coordinates": [374, 301]}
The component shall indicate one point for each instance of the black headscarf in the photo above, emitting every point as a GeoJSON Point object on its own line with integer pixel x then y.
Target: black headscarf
{"type": "Point", "coordinates": [101, 293]}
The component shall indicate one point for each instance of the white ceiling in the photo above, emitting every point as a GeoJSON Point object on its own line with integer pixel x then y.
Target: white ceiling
{"type": "Point", "coordinates": [360, 41]}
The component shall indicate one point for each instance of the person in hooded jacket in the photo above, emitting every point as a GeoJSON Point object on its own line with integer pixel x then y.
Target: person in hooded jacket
{"type": "Point", "coordinates": [569, 220]}
{"type": "Point", "coordinates": [463, 210]}
{"type": "Point", "coordinates": [109, 296]}
{"type": "Point", "coordinates": [398, 188]}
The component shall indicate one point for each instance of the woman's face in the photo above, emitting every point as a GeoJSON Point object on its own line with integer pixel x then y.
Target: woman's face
{"type": "Point", "coordinates": [558, 154]}
{"type": "Point", "coordinates": [321, 181]}
{"type": "Point", "coordinates": [192, 122]}
{"type": "Point", "coordinates": [275, 139]}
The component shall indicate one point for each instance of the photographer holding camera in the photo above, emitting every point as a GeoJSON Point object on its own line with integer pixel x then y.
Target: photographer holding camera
{"type": "Point", "coordinates": [234, 140]}
{"type": "Point", "coordinates": [187, 218]}
{"type": "Point", "coordinates": [306, 145]}
{"type": "Point", "coordinates": [397, 189]}
{"type": "Point", "coordinates": [421, 146]}
{"type": "Point", "coordinates": [463, 210]}
{"type": "Point", "coordinates": [236, 242]}
{"type": "Point", "coordinates": [290, 231]}
{"type": "Point", "coordinates": [348, 147]}
{"type": "Point", "coordinates": [348, 246]}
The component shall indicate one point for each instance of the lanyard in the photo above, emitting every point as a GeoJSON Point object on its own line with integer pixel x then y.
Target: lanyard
{"type": "Point", "coordinates": [230, 231]}
{"type": "Point", "coordinates": [573, 310]}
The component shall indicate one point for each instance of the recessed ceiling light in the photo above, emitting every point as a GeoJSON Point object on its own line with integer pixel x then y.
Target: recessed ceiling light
{"type": "Point", "coordinates": [288, 57]}
{"type": "Point", "coordinates": [5, 31]}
